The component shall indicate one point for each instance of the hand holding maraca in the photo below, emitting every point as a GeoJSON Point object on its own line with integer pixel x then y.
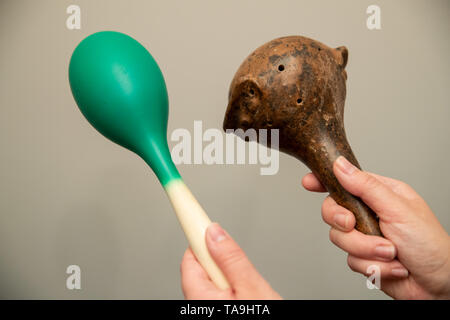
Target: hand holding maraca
{"type": "Point", "coordinates": [120, 90]}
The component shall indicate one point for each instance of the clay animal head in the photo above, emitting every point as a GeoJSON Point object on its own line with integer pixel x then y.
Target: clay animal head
{"type": "Point", "coordinates": [297, 85]}
{"type": "Point", "coordinates": [294, 84]}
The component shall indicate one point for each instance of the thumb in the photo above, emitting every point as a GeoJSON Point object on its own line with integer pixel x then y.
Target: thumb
{"type": "Point", "coordinates": [372, 191]}
{"type": "Point", "coordinates": [230, 258]}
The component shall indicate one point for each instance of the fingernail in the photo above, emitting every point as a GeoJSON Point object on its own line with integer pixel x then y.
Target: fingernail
{"type": "Point", "coordinates": [385, 252]}
{"type": "Point", "coordinates": [341, 220]}
{"type": "Point", "coordinates": [345, 166]}
{"type": "Point", "coordinates": [216, 232]}
{"type": "Point", "coordinates": [400, 272]}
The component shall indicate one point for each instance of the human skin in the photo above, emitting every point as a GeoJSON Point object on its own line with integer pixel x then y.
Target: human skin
{"type": "Point", "coordinates": [414, 256]}
{"type": "Point", "coordinates": [245, 281]}
{"type": "Point", "coordinates": [421, 269]}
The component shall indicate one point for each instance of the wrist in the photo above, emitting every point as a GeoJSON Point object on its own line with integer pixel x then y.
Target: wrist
{"type": "Point", "coordinates": [444, 293]}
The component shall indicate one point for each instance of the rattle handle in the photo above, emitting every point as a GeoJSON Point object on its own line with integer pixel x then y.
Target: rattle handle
{"type": "Point", "coordinates": [321, 163]}
{"type": "Point", "coordinates": [366, 219]}
{"type": "Point", "coordinates": [194, 222]}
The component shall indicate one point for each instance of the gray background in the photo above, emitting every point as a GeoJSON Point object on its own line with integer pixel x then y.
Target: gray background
{"type": "Point", "coordinates": [69, 196]}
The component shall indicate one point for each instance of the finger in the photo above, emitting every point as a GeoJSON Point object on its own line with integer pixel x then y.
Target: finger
{"type": "Point", "coordinates": [311, 183]}
{"type": "Point", "coordinates": [391, 183]}
{"type": "Point", "coordinates": [391, 269]}
{"type": "Point", "coordinates": [195, 282]}
{"type": "Point", "coordinates": [399, 187]}
{"type": "Point", "coordinates": [337, 216]}
{"type": "Point", "coordinates": [363, 246]}
{"type": "Point", "coordinates": [374, 193]}
{"type": "Point", "coordinates": [230, 258]}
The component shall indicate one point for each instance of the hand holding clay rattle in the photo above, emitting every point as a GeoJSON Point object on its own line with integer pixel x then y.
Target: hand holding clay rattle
{"type": "Point", "coordinates": [297, 85]}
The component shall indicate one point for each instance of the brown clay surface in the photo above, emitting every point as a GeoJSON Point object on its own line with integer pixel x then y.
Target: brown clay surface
{"type": "Point", "coordinates": [297, 85]}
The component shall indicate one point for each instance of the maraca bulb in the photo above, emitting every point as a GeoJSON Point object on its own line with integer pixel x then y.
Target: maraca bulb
{"type": "Point", "coordinates": [121, 91]}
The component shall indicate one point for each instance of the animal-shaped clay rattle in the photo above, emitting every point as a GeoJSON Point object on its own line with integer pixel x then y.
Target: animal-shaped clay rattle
{"type": "Point", "coordinates": [120, 90]}
{"type": "Point", "coordinates": [297, 85]}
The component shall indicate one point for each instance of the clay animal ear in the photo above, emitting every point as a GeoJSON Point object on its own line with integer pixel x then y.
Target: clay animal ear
{"type": "Point", "coordinates": [341, 54]}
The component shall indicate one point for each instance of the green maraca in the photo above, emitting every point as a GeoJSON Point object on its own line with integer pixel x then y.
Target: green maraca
{"type": "Point", "coordinates": [120, 90]}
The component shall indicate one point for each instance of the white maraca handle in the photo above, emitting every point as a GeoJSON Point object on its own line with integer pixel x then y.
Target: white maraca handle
{"type": "Point", "coordinates": [194, 221]}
